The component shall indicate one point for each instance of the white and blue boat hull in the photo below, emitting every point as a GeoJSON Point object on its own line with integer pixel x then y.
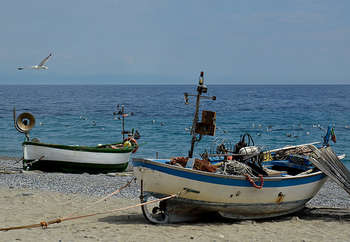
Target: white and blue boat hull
{"type": "Point", "coordinates": [230, 196]}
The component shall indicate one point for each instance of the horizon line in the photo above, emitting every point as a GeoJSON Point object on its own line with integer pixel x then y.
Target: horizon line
{"type": "Point", "coordinates": [184, 84]}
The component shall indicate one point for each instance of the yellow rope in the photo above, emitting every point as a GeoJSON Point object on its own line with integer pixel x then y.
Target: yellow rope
{"type": "Point", "coordinates": [106, 197]}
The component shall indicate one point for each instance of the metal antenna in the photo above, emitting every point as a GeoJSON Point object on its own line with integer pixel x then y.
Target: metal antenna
{"type": "Point", "coordinates": [201, 88]}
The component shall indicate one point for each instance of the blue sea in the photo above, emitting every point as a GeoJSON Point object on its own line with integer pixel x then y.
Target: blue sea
{"type": "Point", "coordinates": [274, 115]}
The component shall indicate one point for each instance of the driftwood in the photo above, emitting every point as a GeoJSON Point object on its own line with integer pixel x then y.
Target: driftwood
{"type": "Point", "coordinates": [8, 172]}
{"type": "Point", "coordinates": [325, 213]}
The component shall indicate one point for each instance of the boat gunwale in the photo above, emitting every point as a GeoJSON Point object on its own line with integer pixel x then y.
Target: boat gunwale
{"type": "Point", "coordinates": [95, 149]}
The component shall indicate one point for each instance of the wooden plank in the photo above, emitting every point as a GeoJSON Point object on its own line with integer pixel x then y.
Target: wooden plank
{"type": "Point", "coordinates": [292, 147]}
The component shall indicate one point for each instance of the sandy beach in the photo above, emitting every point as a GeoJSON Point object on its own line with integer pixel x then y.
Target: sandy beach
{"type": "Point", "coordinates": [22, 207]}
{"type": "Point", "coordinates": [25, 204]}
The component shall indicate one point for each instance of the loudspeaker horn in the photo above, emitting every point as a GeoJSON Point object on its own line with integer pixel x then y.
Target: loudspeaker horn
{"type": "Point", "coordinates": [24, 122]}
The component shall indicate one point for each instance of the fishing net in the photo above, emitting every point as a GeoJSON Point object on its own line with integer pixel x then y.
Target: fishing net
{"type": "Point", "coordinates": [234, 167]}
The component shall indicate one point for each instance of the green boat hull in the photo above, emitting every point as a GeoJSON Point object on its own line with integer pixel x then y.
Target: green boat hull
{"type": "Point", "coordinates": [73, 167]}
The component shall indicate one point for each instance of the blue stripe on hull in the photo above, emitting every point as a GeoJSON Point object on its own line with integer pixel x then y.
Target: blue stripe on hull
{"type": "Point", "coordinates": [229, 181]}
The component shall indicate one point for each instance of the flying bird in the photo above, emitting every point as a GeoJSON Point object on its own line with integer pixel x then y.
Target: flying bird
{"type": "Point", "coordinates": [41, 66]}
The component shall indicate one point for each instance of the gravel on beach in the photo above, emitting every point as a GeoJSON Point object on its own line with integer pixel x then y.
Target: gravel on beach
{"type": "Point", "coordinates": [99, 185]}
{"type": "Point", "coordinates": [12, 176]}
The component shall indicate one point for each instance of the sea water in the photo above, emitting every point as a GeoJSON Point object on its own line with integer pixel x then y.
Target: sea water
{"type": "Point", "coordinates": [274, 115]}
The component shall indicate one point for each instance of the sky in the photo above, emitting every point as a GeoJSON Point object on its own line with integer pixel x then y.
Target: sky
{"type": "Point", "coordinates": [171, 41]}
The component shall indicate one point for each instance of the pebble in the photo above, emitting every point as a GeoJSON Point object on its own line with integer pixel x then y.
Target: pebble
{"type": "Point", "coordinates": [67, 183]}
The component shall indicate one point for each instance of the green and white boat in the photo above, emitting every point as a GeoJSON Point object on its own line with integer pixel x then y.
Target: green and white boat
{"type": "Point", "coordinates": [74, 158]}
{"type": "Point", "coordinates": [99, 159]}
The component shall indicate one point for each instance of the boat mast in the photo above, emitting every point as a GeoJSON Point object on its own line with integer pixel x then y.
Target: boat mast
{"type": "Point", "coordinates": [123, 130]}
{"type": "Point", "coordinates": [122, 115]}
{"type": "Point", "coordinates": [201, 88]}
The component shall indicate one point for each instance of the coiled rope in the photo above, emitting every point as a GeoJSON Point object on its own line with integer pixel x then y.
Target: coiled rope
{"type": "Point", "coordinates": [253, 183]}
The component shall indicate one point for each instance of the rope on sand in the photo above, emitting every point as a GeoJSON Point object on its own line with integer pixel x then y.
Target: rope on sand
{"type": "Point", "coordinates": [45, 224]}
{"type": "Point", "coordinates": [106, 197]}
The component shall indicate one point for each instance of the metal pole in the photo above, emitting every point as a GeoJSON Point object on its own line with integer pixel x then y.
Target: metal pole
{"type": "Point", "coordinates": [123, 121]}
{"type": "Point", "coordinates": [194, 124]}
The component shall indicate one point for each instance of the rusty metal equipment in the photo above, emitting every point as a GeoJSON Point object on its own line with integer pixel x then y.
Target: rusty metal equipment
{"type": "Point", "coordinates": [208, 124]}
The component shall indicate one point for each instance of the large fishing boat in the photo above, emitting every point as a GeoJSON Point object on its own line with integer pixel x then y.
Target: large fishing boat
{"type": "Point", "coordinates": [239, 182]}
{"type": "Point", "coordinates": [74, 158]}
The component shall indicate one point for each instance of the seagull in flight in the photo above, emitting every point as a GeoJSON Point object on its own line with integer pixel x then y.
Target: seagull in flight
{"type": "Point", "coordinates": [41, 66]}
